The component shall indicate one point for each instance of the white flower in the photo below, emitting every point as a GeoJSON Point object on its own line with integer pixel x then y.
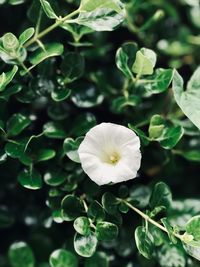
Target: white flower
{"type": "Point", "coordinates": [110, 153]}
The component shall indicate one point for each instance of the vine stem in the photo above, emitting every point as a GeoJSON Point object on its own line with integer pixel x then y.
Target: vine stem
{"type": "Point", "coordinates": [51, 28]}
{"type": "Point", "coordinates": [147, 218]}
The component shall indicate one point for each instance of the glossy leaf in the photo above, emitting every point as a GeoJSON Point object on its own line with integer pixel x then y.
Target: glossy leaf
{"type": "Point", "coordinates": [170, 230]}
{"type": "Point", "coordinates": [101, 19]}
{"type": "Point", "coordinates": [48, 9]}
{"type": "Point", "coordinates": [145, 62]}
{"type": "Point", "coordinates": [73, 66]}
{"type": "Point", "coordinates": [170, 255]}
{"type": "Point", "coordinates": [26, 35]}
{"type": "Point", "coordinates": [96, 211]}
{"type": "Point", "coordinates": [71, 207]}
{"type": "Point", "coordinates": [21, 255]}
{"type": "Point", "coordinates": [122, 102]}
{"type": "Point", "coordinates": [71, 146]}
{"type": "Point", "coordinates": [188, 100]}
{"type": "Point", "coordinates": [14, 150]}
{"type": "Point", "coordinates": [161, 196]}
{"type": "Point", "coordinates": [50, 50]}
{"type": "Point", "coordinates": [82, 226]}
{"type": "Point", "coordinates": [30, 179]}
{"type": "Point", "coordinates": [159, 82]}
{"type": "Point", "coordinates": [10, 41]}
{"type": "Point", "coordinates": [45, 154]}
{"type": "Point", "coordinates": [106, 231]}
{"type": "Point", "coordinates": [6, 78]}
{"type": "Point", "coordinates": [100, 259]}
{"type": "Point", "coordinates": [90, 5]}
{"type": "Point", "coordinates": [55, 178]}
{"type": "Point", "coordinates": [144, 242]}
{"type": "Point", "coordinates": [124, 56]}
{"type": "Point", "coordinates": [109, 203]}
{"type": "Point", "coordinates": [63, 258]}
{"type": "Point", "coordinates": [193, 227]}
{"type": "Point", "coordinates": [54, 130]}
{"type": "Point", "coordinates": [60, 94]}
{"type": "Point", "coordinates": [17, 123]}
{"type": "Point", "coordinates": [85, 246]}
{"type": "Point", "coordinates": [193, 249]}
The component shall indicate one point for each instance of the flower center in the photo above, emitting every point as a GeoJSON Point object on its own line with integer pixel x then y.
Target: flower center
{"type": "Point", "coordinates": [113, 158]}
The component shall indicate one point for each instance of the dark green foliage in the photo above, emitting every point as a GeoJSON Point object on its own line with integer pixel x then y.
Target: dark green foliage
{"type": "Point", "coordinates": [67, 66]}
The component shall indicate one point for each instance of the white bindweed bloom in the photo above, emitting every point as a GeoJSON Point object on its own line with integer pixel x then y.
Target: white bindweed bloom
{"type": "Point", "coordinates": [110, 153]}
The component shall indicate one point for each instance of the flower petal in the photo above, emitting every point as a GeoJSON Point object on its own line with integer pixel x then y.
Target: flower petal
{"type": "Point", "coordinates": [104, 140]}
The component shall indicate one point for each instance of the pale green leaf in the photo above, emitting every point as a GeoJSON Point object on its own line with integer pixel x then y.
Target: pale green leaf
{"type": "Point", "coordinates": [6, 77]}
{"type": "Point", "coordinates": [145, 62]}
{"type": "Point", "coordinates": [188, 100]}
{"type": "Point", "coordinates": [48, 9]}
{"type": "Point", "coordinates": [26, 35]}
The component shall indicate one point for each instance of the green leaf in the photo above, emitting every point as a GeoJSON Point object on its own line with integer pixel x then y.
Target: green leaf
{"type": "Point", "coordinates": [14, 150]}
{"type": "Point", "coordinates": [96, 211]}
{"type": "Point", "coordinates": [72, 66]}
{"type": "Point", "coordinates": [21, 255]}
{"type": "Point", "coordinates": [71, 146]}
{"type": "Point", "coordinates": [188, 100]}
{"type": "Point", "coordinates": [158, 82]}
{"type": "Point", "coordinates": [156, 126]}
{"type": "Point", "coordinates": [30, 179]}
{"type": "Point", "coordinates": [82, 226]}
{"type": "Point", "coordinates": [54, 130]}
{"type": "Point", "coordinates": [78, 31]}
{"type": "Point", "coordinates": [91, 5]}
{"type": "Point", "coordinates": [170, 230]}
{"type": "Point", "coordinates": [17, 123]}
{"type": "Point", "coordinates": [193, 227]}
{"type": "Point", "coordinates": [109, 203]}
{"type": "Point", "coordinates": [99, 259]}
{"type": "Point", "coordinates": [106, 231]}
{"type": "Point", "coordinates": [161, 196]}
{"type": "Point", "coordinates": [71, 207]}
{"type": "Point", "coordinates": [159, 236]}
{"type": "Point", "coordinates": [10, 41]}
{"type": "Point", "coordinates": [60, 94]}
{"type": "Point", "coordinates": [193, 249]}
{"type": "Point", "coordinates": [144, 242]}
{"type": "Point", "coordinates": [83, 123]}
{"type": "Point", "coordinates": [45, 154]}
{"type": "Point", "coordinates": [167, 136]}
{"type": "Point", "coordinates": [85, 246]}
{"type": "Point", "coordinates": [171, 136]}
{"type": "Point", "coordinates": [87, 96]}
{"type": "Point", "coordinates": [55, 178]}
{"type": "Point", "coordinates": [101, 19]}
{"type": "Point", "coordinates": [119, 103]}
{"type": "Point", "coordinates": [192, 155]}
{"type": "Point", "coordinates": [10, 91]}
{"type": "Point", "coordinates": [140, 195]}
{"type": "Point", "coordinates": [125, 57]}
{"type": "Point", "coordinates": [48, 9]}
{"type": "Point", "coordinates": [143, 138]}
{"type": "Point", "coordinates": [26, 35]}
{"type": "Point", "coordinates": [63, 258]}
{"type": "Point", "coordinates": [7, 77]}
{"type": "Point", "coordinates": [171, 256]}
{"type": "Point", "coordinates": [50, 50]}
{"type": "Point", "coordinates": [145, 62]}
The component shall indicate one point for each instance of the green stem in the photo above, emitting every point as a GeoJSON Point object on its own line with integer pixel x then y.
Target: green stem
{"type": "Point", "coordinates": [51, 28]}
{"type": "Point", "coordinates": [148, 219]}
{"type": "Point", "coordinates": [25, 68]}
